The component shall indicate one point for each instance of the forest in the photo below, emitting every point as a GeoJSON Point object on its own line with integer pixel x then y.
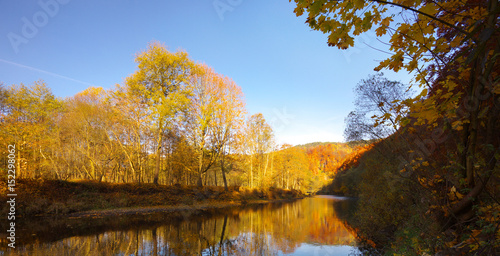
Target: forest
{"type": "Point", "coordinates": [173, 121]}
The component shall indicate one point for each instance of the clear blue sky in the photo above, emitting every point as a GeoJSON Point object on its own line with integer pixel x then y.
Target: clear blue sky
{"type": "Point", "coordinates": [286, 70]}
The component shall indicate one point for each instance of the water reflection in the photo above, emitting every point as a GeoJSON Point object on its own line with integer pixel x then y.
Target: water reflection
{"type": "Point", "coordinates": [305, 227]}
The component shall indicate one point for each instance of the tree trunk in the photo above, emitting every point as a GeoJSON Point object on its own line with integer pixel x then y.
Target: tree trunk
{"type": "Point", "coordinates": [265, 168]}
{"type": "Point", "coordinates": [251, 171]}
{"type": "Point", "coordinates": [215, 177]}
{"type": "Point", "coordinates": [200, 167]}
{"type": "Point", "coordinates": [200, 180]}
{"type": "Point", "coordinates": [19, 172]}
{"type": "Point", "coordinates": [158, 155]}
{"type": "Point", "coordinates": [223, 172]}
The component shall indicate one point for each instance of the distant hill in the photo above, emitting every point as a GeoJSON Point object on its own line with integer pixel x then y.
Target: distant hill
{"type": "Point", "coordinates": [315, 144]}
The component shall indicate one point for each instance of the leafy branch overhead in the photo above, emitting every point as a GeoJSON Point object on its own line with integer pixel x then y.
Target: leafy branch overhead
{"type": "Point", "coordinates": [416, 29]}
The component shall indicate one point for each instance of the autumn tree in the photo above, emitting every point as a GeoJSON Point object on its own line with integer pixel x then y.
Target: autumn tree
{"type": "Point", "coordinates": [201, 114]}
{"type": "Point", "coordinates": [181, 159]}
{"type": "Point", "coordinates": [160, 81]}
{"type": "Point", "coordinates": [325, 159]}
{"type": "Point", "coordinates": [259, 139]}
{"type": "Point", "coordinates": [228, 121]}
{"type": "Point", "coordinates": [216, 113]}
{"type": "Point", "coordinates": [29, 121]}
{"type": "Point", "coordinates": [130, 130]}
{"type": "Point", "coordinates": [292, 168]}
{"type": "Point", "coordinates": [85, 128]}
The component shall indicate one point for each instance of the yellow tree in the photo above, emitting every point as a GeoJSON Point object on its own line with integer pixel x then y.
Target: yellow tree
{"type": "Point", "coordinates": [129, 129]}
{"type": "Point", "coordinates": [160, 82]}
{"type": "Point", "coordinates": [29, 114]}
{"type": "Point", "coordinates": [216, 112]}
{"type": "Point", "coordinates": [259, 139]}
{"type": "Point", "coordinates": [228, 120]}
{"type": "Point", "coordinates": [85, 128]}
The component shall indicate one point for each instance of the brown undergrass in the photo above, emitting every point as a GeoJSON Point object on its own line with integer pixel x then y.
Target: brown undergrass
{"type": "Point", "coordinates": [49, 197]}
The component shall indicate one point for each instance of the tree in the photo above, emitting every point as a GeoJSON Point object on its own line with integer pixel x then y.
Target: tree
{"type": "Point", "coordinates": [129, 129]}
{"type": "Point", "coordinates": [85, 128]}
{"type": "Point", "coordinates": [204, 101]}
{"type": "Point", "coordinates": [160, 81]}
{"type": "Point", "coordinates": [292, 168]}
{"type": "Point", "coordinates": [259, 139]}
{"type": "Point", "coordinates": [376, 107]}
{"type": "Point", "coordinates": [29, 114]}
{"type": "Point", "coordinates": [229, 120]}
{"type": "Point", "coordinates": [216, 113]}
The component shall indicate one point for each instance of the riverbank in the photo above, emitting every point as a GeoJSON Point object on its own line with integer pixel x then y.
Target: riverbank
{"type": "Point", "coordinates": [90, 198]}
{"type": "Point", "coordinates": [198, 207]}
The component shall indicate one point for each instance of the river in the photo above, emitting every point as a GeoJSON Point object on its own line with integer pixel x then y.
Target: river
{"type": "Point", "coordinates": [310, 226]}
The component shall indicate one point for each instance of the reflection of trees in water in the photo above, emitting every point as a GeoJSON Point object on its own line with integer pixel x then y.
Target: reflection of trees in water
{"type": "Point", "coordinates": [263, 230]}
{"type": "Point", "coordinates": [346, 211]}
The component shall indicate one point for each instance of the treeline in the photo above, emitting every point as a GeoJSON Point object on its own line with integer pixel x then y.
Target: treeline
{"type": "Point", "coordinates": [173, 121]}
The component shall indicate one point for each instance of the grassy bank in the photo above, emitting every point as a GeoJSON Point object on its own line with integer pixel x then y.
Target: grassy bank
{"type": "Point", "coordinates": [56, 197]}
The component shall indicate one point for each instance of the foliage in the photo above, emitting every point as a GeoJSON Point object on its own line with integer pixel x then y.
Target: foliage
{"type": "Point", "coordinates": [160, 82]}
{"type": "Point", "coordinates": [214, 118]}
{"type": "Point", "coordinates": [29, 120]}
{"type": "Point", "coordinates": [446, 142]}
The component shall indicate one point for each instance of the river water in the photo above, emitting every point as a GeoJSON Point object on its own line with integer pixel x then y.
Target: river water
{"type": "Point", "coordinates": [310, 226]}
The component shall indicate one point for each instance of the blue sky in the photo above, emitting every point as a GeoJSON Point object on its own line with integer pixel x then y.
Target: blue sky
{"type": "Point", "coordinates": [286, 70]}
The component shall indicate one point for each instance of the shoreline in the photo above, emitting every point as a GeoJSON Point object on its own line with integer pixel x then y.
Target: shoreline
{"type": "Point", "coordinates": [78, 199]}
{"type": "Point", "coordinates": [143, 210]}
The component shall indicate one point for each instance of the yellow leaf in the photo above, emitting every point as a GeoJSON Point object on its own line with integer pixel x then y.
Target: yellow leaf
{"type": "Point", "coordinates": [424, 92]}
{"type": "Point", "coordinates": [430, 9]}
{"type": "Point", "coordinates": [457, 125]}
{"type": "Point", "coordinates": [380, 31]}
{"type": "Point", "coordinates": [359, 4]}
{"type": "Point", "coordinates": [497, 89]}
{"type": "Point", "coordinates": [386, 21]}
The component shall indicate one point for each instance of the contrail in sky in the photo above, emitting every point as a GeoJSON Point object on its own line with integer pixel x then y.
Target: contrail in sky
{"type": "Point", "coordinates": [45, 72]}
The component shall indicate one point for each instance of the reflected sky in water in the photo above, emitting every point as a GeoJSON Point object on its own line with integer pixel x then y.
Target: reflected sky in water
{"type": "Point", "coordinates": [311, 226]}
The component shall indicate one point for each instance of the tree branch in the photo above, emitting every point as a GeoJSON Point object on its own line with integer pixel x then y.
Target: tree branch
{"type": "Point", "coordinates": [427, 15]}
